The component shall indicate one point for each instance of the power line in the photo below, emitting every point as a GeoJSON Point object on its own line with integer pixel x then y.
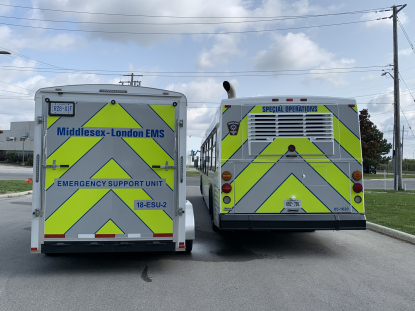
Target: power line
{"type": "Point", "coordinates": [190, 33]}
{"type": "Point", "coordinates": [213, 72]}
{"type": "Point", "coordinates": [406, 35]}
{"type": "Point", "coordinates": [386, 9]}
{"type": "Point", "coordinates": [407, 87]}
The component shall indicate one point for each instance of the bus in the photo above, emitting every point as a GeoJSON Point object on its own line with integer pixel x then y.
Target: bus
{"type": "Point", "coordinates": [291, 163]}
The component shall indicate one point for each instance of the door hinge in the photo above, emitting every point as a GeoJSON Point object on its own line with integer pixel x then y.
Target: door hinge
{"type": "Point", "coordinates": [181, 123]}
{"type": "Point", "coordinates": [180, 211]}
{"type": "Point", "coordinates": [37, 212]}
{"type": "Point", "coordinates": [39, 119]}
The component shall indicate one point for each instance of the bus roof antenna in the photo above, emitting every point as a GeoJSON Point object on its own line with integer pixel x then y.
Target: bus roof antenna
{"type": "Point", "coordinates": [229, 89]}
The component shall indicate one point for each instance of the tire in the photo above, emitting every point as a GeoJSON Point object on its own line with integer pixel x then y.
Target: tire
{"type": "Point", "coordinates": [189, 246]}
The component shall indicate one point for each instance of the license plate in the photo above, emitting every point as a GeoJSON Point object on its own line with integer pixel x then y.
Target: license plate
{"type": "Point", "coordinates": [62, 109]}
{"type": "Point", "coordinates": [292, 205]}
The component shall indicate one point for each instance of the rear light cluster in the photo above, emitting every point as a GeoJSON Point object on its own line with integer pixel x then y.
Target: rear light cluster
{"type": "Point", "coordinates": [357, 187]}
{"type": "Point", "coordinates": [226, 187]}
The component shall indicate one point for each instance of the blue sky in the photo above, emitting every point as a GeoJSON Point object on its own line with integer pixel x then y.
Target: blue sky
{"type": "Point", "coordinates": [193, 46]}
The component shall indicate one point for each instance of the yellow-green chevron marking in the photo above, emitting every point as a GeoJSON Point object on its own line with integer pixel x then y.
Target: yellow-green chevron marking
{"type": "Point", "coordinates": [157, 220]}
{"type": "Point", "coordinates": [68, 154]}
{"type": "Point", "coordinates": [153, 154]}
{"type": "Point", "coordinates": [73, 210]}
{"type": "Point", "coordinates": [292, 186]}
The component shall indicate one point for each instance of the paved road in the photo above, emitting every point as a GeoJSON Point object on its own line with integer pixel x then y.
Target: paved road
{"type": "Point", "coordinates": [356, 270]}
{"type": "Point", "coordinates": [15, 172]}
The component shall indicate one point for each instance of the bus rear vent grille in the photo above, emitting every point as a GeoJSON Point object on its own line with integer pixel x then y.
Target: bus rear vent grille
{"type": "Point", "coordinates": [267, 127]}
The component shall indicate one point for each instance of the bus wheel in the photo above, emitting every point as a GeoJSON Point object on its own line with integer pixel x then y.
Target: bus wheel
{"type": "Point", "coordinates": [210, 201]}
{"type": "Point", "coordinates": [189, 246]}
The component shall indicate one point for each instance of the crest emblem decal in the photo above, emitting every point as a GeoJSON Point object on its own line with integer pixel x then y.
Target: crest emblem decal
{"type": "Point", "coordinates": [233, 127]}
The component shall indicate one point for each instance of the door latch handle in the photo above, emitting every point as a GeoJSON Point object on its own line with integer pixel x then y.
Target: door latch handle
{"type": "Point", "coordinates": [164, 166]}
{"type": "Point", "coordinates": [54, 166]}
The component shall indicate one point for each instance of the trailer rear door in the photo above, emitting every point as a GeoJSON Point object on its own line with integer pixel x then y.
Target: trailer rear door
{"type": "Point", "coordinates": [101, 176]}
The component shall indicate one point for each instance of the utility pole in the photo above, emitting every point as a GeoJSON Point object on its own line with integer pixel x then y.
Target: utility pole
{"type": "Point", "coordinates": [397, 179]}
{"type": "Point", "coordinates": [132, 82]}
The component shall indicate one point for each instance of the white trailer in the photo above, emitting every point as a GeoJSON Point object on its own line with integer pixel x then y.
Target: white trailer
{"type": "Point", "coordinates": [109, 170]}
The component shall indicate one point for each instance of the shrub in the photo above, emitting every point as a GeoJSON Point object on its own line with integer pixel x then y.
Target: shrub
{"type": "Point", "coordinates": [29, 161]}
{"type": "Point", "coordinates": [11, 157]}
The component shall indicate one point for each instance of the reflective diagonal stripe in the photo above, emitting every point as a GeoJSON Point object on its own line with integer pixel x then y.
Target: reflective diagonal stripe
{"type": "Point", "coordinates": [166, 113]}
{"type": "Point", "coordinates": [113, 116]}
{"type": "Point", "coordinates": [248, 178]}
{"type": "Point", "coordinates": [292, 186]}
{"type": "Point", "coordinates": [111, 170]}
{"type": "Point", "coordinates": [68, 154]}
{"type": "Point", "coordinates": [157, 220]}
{"type": "Point", "coordinates": [73, 210]}
{"type": "Point", "coordinates": [109, 228]}
{"type": "Point", "coordinates": [151, 153]}
{"type": "Point", "coordinates": [349, 141]}
{"type": "Point", "coordinates": [51, 120]}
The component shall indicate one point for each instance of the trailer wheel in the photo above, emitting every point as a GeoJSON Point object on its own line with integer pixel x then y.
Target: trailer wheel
{"type": "Point", "coordinates": [189, 246]}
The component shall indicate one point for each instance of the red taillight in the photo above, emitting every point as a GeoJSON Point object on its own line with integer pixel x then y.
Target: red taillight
{"type": "Point", "coordinates": [275, 99]}
{"type": "Point", "coordinates": [289, 99]}
{"type": "Point", "coordinates": [226, 188]}
{"type": "Point", "coordinates": [227, 106]}
{"type": "Point", "coordinates": [357, 187]}
{"type": "Point", "coordinates": [33, 249]}
{"type": "Point", "coordinates": [352, 106]}
{"type": "Point", "coordinates": [303, 99]}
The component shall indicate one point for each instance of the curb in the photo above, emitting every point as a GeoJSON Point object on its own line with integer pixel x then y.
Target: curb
{"type": "Point", "coordinates": [391, 232]}
{"type": "Point", "coordinates": [17, 194]}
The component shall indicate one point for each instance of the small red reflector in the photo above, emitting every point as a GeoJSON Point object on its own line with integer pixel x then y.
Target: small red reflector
{"type": "Point", "coordinates": [226, 188]}
{"type": "Point", "coordinates": [357, 187]}
{"type": "Point", "coordinates": [352, 106]}
{"type": "Point", "coordinates": [291, 148]}
{"type": "Point", "coordinates": [289, 99]}
{"type": "Point", "coordinates": [162, 235]}
{"type": "Point", "coordinates": [54, 236]}
{"type": "Point", "coordinates": [104, 235]}
{"type": "Point", "coordinates": [303, 99]}
{"type": "Point", "coordinates": [33, 249]}
{"type": "Point", "coordinates": [275, 99]}
{"type": "Point", "coordinates": [228, 106]}
{"type": "Point", "coordinates": [182, 245]}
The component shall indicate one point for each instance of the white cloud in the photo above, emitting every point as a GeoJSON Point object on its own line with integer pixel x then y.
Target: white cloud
{"type": "Point", "coordinates": [298, 51]}
{"type": "Point", "coordinates": [406, 52]}
{"type": "Point", "coordinates": [225, 47]}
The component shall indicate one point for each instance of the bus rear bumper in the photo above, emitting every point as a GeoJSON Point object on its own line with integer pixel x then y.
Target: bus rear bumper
{"type": "Point", "coordinates": [292, 222]}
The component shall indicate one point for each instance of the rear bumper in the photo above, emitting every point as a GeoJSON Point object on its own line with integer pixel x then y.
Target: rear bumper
{"type": "Point", "coordinates": [64, 247]}
{"type": "Point", "coordinates": [290, 222]}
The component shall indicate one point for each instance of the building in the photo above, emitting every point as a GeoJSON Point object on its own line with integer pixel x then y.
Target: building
{"type": "Point", "coordinates": [18, 140]}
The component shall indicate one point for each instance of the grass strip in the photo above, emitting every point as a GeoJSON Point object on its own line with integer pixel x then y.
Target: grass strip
{"type": "Point", "coordinates": [12, 186]}
{"type": "Point", "coordinates": [391, 209]}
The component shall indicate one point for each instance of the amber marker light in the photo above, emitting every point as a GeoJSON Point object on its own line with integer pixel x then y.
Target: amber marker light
{"type": "Point", "coordinates": [357, 175]}
{"type": "Point", "coordinates": [226, 175]}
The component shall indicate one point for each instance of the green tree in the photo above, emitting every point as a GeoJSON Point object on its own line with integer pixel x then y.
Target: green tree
{"type": "Point", "coordinates": [374, 146]}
